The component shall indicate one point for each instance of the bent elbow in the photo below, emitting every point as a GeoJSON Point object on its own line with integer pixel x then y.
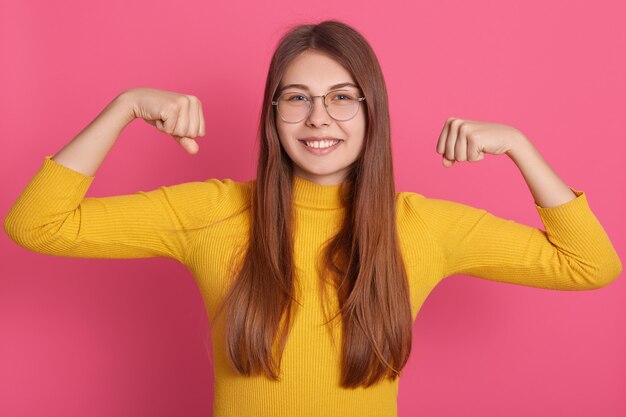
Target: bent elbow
{"type": "Point", "coordinates": [12, 229]}
{"type": "Point", "coordinates": [19, 236]}
{"type": "Point", "coordinates": [610, 270]}
{"type": "Point", "coordinates": [26, 235]}
{"type": "Point", "coordinates": [601, 274]}
{"type": "Point", "coordinates": [593, 273]}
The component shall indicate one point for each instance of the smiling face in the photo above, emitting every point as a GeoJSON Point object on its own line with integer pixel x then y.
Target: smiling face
{"type": "Point", "coordinates": [320, 74]}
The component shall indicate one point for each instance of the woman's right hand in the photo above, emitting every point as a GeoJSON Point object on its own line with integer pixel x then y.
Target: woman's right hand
{"type": "Point", "coordinates": [179, 115]}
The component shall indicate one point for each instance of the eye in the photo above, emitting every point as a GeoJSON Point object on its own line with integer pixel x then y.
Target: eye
{"type": "Point", "coordinates": [343, 96]}
{"type": "Point", "coordinates": [296, 97]}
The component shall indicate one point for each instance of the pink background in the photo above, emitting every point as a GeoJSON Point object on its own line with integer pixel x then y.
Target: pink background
{"type": "Point", "coordinates": [103, 337]}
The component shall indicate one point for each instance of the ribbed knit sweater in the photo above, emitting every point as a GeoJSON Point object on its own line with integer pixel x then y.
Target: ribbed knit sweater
{"type": "Point", "coordinates": [438, 238]}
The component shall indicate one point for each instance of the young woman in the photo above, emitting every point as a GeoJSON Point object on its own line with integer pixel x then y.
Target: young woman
{"type": "Point", "coordinates": [313, 272]}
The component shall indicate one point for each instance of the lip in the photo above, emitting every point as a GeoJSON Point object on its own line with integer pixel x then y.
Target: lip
{"type": "Point", "coordinates": [318, 151]}
{"type": "Point", "coordinates": [318, 138]}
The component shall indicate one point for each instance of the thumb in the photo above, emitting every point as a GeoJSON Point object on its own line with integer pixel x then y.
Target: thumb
{"type": "Point", "coordinates": [447, 163]}
{"type": "Point", "coordinates": [189, 145]}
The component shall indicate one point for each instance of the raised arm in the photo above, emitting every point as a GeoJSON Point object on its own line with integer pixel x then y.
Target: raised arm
{"type": "Point", "coordinates": [52, 216]}
{"type": "Point", "coordinates": [574, 252]}
{"type": "Point", "coordinates": [176, 114]}
{"type": "Point", "coordinates": [467, 140]}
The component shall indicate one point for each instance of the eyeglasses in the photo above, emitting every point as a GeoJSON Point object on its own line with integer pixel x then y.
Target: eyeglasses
{"type": "Point", "coordinates": [341, 105]}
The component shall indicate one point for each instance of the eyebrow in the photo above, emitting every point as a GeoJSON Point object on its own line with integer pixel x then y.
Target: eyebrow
{"type": "Point", "coordinates": [304, 87]}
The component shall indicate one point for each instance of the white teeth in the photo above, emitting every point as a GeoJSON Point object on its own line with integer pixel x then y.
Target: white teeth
{"type": "Point", "coordinates": [321, 143]}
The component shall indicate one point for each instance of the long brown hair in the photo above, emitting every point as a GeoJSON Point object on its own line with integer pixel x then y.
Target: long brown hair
{"type": "Point", "coordinates": [363, 259]}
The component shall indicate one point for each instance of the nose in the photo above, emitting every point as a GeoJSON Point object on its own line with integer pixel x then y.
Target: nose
{"type": "Point", "coordinates": [318, 115]}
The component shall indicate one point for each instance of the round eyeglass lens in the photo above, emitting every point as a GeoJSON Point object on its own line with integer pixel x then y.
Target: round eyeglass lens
{"type": "Point", "coordinates": [341, 106]}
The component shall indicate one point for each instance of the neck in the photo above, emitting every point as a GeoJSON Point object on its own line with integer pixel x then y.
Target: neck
{"type": "Point", "coordinates": [308, 193]}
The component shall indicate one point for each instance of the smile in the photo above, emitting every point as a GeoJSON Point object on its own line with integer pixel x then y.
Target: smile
{"type": "Point", "coordinates": [320, 147]}
{"type": "Point", "coordinates": [321, 143]}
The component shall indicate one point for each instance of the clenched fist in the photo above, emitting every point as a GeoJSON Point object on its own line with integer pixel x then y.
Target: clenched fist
{"type": "Point", "coordinates": [179, 115]}
{"type": "Point", "coordinates": [468, 140]}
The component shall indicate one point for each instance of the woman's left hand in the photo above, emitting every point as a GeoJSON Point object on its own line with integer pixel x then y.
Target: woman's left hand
{"type": "Point", "coordinates": [468, 140]}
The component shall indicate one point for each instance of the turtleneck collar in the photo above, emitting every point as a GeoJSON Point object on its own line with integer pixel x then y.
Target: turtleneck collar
{"type": "Point", "coordinates": [310, 194]}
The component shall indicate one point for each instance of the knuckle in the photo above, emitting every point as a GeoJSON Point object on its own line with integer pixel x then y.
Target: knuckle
{"type": "Point", "coordinates": [456, 122]}
{"type": "Point", "coordinates": [182, 101]}
{"type": "Point", "coordinates": [174, 107]}
{"type": "Point", "coordinates": [180, 129]}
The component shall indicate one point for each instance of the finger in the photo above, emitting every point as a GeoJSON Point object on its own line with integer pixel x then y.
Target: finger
{"type": "Point", "coordinates": [441, 143]}
{"type": "Point", "coordinates": [194, 123]}
{"type": "Point", "coordinates": [452, 137]}
{"type": "Point", "coordinates": [201, 118]}
{"type": "Point", "coordinates": [166, 122]}
{"type": "Point", "coordinates": [188, 144]}
{"type": "Point", "coordinates": [182, 121]}
{"type": "Point", "coordinates": [460, 149]}
{"type": "Point", "coordinates": [446, 162]}
{"type": "Point", "coordinates": [192, 146]}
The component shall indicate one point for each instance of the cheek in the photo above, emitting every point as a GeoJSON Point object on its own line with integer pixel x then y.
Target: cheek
{"type": "Point", "coordinates": [282, 133]}
{"type": "Point", "coordinates": [285, 137]}
{"type": "Point", "coordinates": [359, 129]}
{"type": "Point", "coordinates": [283, 129]}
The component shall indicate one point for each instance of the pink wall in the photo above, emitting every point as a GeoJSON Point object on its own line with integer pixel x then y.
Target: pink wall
{"type": "Point", "coordinates": [129, 337]}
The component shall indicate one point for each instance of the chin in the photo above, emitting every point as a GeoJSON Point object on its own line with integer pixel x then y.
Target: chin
{"type": "Point", "coordinates": [321, 173]}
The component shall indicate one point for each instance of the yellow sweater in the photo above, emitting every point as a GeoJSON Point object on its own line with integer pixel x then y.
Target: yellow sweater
{"type": "Point", "coordinates": [438, 238]}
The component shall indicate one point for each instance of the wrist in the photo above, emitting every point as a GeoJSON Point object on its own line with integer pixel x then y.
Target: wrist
{"type": "Point", "coordinates": [519, 146]}
{"type": "Point", "coordinates": [124, 104]}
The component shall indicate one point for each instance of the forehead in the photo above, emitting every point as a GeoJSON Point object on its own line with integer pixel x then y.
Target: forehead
{"type": "Point", "coordinates": [315, 70]}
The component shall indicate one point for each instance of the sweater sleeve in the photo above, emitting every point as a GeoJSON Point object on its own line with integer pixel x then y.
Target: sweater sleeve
{"type": "Point", "coordinates": [51, 216]}
{"type": "Point", "coordinates": [573, 253]}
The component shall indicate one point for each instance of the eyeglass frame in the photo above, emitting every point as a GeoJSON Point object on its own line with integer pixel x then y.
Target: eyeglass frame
{"type": "Point", "coordinates": [310, 104]}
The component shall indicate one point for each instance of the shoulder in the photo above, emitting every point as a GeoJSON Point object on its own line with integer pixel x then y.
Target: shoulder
{"type": "Point", "coordinates": [210, 199]}
{"type": "Point", "coordinates": [432, 209]}
{"type": "Point", "coordinates": [410, 209]}
{"type": "Point", "coordinates": [409, 199]}
{"type": "Point", "coordinates": [213, 189]}
{"type": "Point", "coordinates": [408, 202]}
{"type": "Point", "coordinates": [228, 189]}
